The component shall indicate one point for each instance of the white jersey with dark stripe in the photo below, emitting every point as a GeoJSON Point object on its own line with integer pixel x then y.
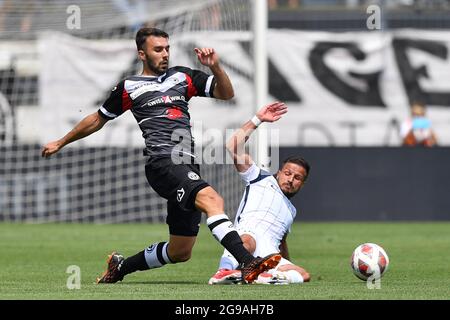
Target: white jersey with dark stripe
{"type": "Point", "coordinates": [264, 209]}
{"type": "Point", "coordinates": [160, 106]}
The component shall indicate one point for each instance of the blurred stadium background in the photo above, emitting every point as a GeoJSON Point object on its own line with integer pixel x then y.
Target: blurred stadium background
{"type": "Point", "coordinates": [348, 89]}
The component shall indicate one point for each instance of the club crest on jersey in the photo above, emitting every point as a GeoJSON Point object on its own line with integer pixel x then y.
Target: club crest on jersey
{"type": "Point", "coordinates": [193, 176]}
{"type": "Point", "coordinates": [180, 194]}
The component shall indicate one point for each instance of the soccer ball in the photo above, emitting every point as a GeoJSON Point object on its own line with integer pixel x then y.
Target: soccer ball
{"type": "Point", "coordinates": [369, 260]}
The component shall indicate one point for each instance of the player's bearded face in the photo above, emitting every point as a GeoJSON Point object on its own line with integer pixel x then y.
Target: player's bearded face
{"type": "Point", "coordinates": [291, 178]}
{"type": "Point", "coordinates": [157, 66]}
{"type": "Point", "coordinates": [157, 55]}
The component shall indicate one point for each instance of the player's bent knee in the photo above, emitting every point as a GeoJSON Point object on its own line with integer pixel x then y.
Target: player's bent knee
{"type": "Point", "coordinates": [249, 243]}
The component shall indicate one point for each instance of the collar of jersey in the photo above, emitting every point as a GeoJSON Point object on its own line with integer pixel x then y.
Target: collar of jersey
{"type": "Point", "coordinates": [160, 78]}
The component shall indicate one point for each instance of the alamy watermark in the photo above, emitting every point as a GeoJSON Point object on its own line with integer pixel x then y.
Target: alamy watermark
{"type": "Point", "coordinates": [374, 21]}
{"type": "Point", "coordinates": [74, 280]}
{"type": "Point", "coordinates": [211, 146]}
{"type": "Point", "coordinates": [374, 281]}
{"type": "Point", "coordinates": [73, 21]}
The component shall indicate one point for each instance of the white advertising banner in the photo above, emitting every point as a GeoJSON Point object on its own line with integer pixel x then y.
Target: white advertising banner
{"type": "Point", "coordinates": [342, 89]}
{"type": "Point", "coordinates": [75, 75]}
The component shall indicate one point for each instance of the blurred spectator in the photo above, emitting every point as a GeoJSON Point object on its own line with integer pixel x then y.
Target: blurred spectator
{"type": "Point", "coordinates": [16, 15]}
{"type": "Point", "coordinates": [416, 130]}
{"type": "Point", "coordinates": [211, 17]}
{"type": "Point", "coordinates": [134, 10]}
{"type": "Point", "coordinates": [292, 4]}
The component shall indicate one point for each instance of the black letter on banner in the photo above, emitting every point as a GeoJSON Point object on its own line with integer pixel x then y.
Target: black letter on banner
{"type": "Point", "coordinates": [411, 75]}
{"type": "Point", "coordinates": [279, 86]}
{"type": "Point", "coordinates": [370, 97]}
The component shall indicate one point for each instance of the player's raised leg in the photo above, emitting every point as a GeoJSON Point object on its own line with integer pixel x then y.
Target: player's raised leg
{"type": "Point", "coordinates": [210, 202]}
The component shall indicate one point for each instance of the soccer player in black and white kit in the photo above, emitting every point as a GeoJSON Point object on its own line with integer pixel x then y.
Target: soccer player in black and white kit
{"type": "Point", "coordinates": [158, 99]}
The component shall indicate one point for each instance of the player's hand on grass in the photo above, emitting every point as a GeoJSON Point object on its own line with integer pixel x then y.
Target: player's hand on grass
{"type": "Point", "coordinates": [51, 148]}
{"type": "Point", "coordinates": [207, 56]}
{"type": "Point", "coordinates": [272, 112]}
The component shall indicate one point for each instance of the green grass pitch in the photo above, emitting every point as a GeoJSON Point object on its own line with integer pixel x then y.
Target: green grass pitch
{"type": "Point", "coordinates": [35, 258]}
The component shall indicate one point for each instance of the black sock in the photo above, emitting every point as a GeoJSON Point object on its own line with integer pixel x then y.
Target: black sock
{"type": "Point", "coordinates": [133, 264]}
{"type": "Point", "coordinates": [224, 231]}
{"type": "Point", "coordinates": [233, 243]}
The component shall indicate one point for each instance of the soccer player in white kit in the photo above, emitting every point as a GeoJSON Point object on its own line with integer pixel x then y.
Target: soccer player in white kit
{"type": "Point", "coordinates": [265, 213]}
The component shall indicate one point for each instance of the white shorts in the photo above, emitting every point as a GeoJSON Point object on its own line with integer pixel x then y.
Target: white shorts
{"type": "Point", "coordinates": [264, 246]}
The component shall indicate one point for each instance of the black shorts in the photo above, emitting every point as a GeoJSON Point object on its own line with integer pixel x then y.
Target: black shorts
{"type": "Point", "coordinates": [179, 184]}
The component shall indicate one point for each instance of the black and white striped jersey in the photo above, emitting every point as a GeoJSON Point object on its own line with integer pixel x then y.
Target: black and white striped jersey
{"type": "Point", "coordinates": [264, 209]}
{"type": "Point", "coordinates": [160, 107]}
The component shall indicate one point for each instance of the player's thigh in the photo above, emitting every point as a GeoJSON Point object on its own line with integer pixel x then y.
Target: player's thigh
{"type": "Point", "coordinates": [178, 183]}
{"type": "Point", "coordinates": [209, 201]}
{"type": "Point", "coordinates": [157, 173]}
{"type": "Point", "coordinates": [182, 222]}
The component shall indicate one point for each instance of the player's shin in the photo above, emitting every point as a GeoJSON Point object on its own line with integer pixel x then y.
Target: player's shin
{"type": "Point", "coordinates": [223, 230]}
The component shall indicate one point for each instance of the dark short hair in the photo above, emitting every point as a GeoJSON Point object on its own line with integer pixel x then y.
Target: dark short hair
{"type": "Point", "coordinates": [299, 161]}
{"type": "Point", "coordinates": [145, 32]}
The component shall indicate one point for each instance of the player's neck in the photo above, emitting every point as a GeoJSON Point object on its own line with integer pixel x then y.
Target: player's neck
{"type": "Point", "coordinates": [149, 73]}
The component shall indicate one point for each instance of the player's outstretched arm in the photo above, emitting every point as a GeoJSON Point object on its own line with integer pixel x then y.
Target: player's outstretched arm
{"type": "Point", "coordinates": [223, 89]}
{"type": "Point", "coordinates": [236, 145]}
{"type": "Point", "coordinates": [85, 127]}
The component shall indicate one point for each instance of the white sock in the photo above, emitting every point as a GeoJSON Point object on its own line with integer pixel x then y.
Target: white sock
{"type": "Point", "coordinates": [227, 261]}
{"type": "Point", "coordinates": [224, 231]}
{"type": "Point", "coordinates": [156, 255]}
{"type": "Point", "coordinates": [220, 226]}
{"type": "Point", "coordinates": [294, 276]}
